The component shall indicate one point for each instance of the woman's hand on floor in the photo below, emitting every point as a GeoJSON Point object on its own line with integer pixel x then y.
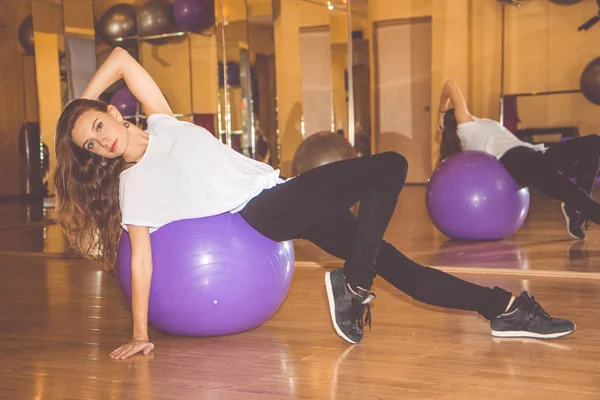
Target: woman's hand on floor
{"type": "Point", "coordinates": [131, 348]}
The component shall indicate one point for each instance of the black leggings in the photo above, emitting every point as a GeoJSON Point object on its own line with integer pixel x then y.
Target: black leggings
{"type": "Point", "coordinates": [550, 172]}
{"type": "Point", "coordinates": [315, 206]}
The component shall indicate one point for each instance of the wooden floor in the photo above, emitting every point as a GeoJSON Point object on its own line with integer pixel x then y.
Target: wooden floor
{"type": "Point", "coordinates": [60, 316]}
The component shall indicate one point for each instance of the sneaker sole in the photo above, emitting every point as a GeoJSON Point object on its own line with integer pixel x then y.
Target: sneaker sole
{"type": "Point", "coordinates": [525, 334]}
{"type": "Point", "coordinates": [568, 220]}
{"type": "Point", "coordinates": [331, 300]}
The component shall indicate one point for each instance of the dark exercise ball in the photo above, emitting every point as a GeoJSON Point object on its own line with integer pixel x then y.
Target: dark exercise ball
{"type": "Point", "coordinates": [29, 141]}
{"type": "Point", "coordinates": [155, 17]}
{"type": "Point", "coordinates": [194, 15]}
{"type": "Point", "coordinates": [565, 2]}
{"type": "Point", "coordinates": [117, 22]}
{"type": "Point", "coordinates": [590, 81]}
{"type": "Point", "coordinates": [319, 149]}
{"type": "Point", "coordinates": [26, 35]}
{"type": "Point", "coordinates": [29, 149]}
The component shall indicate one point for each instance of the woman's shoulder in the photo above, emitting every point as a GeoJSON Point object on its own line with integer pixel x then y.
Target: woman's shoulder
{"type": "Point", "coordinates": [478, 127]}
{"type": "Point", "coordinates": [155, 116]}
{"type": "Point", "coordinates": [468, 125]}
{"type": "Point", "coordinates": [477, 123]}
{"type": "Point", "coordinates": [156, 120]}
{"type": "Point", "coordinates": [158, 123]}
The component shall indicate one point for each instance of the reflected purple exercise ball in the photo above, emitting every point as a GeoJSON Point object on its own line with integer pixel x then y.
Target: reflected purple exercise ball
{"type": "Point", "coordinates": [471, 196]}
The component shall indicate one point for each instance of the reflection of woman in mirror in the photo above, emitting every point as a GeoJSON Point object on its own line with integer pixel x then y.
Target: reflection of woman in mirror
{"type": "Point", "coordinates": [112, 175]}
{"type": "Point", "coordinates": [546, 169]}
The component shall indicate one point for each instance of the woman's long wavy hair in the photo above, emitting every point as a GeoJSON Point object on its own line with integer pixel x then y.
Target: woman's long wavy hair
{"type": "Point", "coordinates": [87, 190]}
{"type": "Point", "coordinates": [450, 141]}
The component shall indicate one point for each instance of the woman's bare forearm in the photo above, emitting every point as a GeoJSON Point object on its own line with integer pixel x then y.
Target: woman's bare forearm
{"type": "Point", "coordinates": [445, 97]}
{"type": "Point", "coordinates": [120, 64]}
{"type": "Point", "coordinates": [141, 276]}
{"type": "Point", "coordinates": [451, 94]}
{"type": "Point", "coordinates": [108, 73]}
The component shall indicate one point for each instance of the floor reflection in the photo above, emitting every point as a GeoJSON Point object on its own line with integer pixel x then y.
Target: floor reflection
{"type": "Point", "coordinates": [35, 238]}
{"type": "Point", "coordinates": [25, 209]}
{"type": "Point", "coordinates": [542, 243]}
{"type": "Point", "coordinates": [59, 319]}
{"type": "Point", "coordinates": [498, 254]}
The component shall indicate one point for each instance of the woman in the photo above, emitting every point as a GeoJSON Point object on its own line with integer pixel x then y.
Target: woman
{"type": "Point", "coordinates": [547, 169]}
{"type": "Point", "coordinates": [112, 175]}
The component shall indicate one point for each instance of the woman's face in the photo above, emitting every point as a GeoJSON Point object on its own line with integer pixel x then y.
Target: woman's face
{"type": "Point", "coordinates": [101, 133]}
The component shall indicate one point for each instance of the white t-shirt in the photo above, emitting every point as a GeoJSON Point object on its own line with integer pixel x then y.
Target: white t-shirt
{"type": "Point", "coordinates": [491, 137]}
{"type": "Point", "coordinates": [188, 173]}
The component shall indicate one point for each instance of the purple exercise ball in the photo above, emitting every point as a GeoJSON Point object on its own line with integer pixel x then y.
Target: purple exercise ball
{"type": "Point", "coordinates": [471, 196]}
{"type": "Point", "coordinates": [212, 276]}
{"type": "Point", "coordinates": [194, 15]}
{"type": "Point", "coordinates": [124, 101]}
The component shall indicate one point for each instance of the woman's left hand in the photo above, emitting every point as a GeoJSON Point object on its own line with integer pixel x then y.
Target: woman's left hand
{"type": "Point", "coordinates": [131, 348]}
{"type": "Point", "coordinates": [440, 123]}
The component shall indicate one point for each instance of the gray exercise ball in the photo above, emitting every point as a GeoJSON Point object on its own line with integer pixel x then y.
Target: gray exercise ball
{"type": "Point", "coordinates": [117, 22]}
{"type": "Point", "coordinates": [26, 35]}
{"type": "Point", "coordinates": [155, 17]}
{"type": "Point", "coordinates": [590, 81]}
{"type": "Point", "coordinates": [319, 149]}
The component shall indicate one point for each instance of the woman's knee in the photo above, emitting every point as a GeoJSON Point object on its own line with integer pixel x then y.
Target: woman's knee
{"type": "Point", "coordinates": [395, 165]}
{"type": "Point", "coordinates": [590, 143]}
{"type": "Point", "coordinates": [589, 150]}
{"type": "Point", "coordinates": [595, 138]}
{"type": "Point", "coordinates": [594, 143]}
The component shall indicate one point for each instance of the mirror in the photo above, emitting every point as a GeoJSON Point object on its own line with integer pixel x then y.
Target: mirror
{"type": "Point", "coordinates": [359, 89]}
{"type": "Point", "coordinates": [150, 32]}
{"type": "Point", "coordinates": [262, 83]}
{"type": "Point", "coordinates": [49, 56]}
{"type": "Point", "coordinates": [116, 25]}
{"type": "Point", "coordinates": [247, 119]}
{"type": "Point", "coordinates": [175, 42]}
{"type": "Point", "coordinates": [64, 42]}
{"type": "Point", "coordinates": [334, 47]}
{"type": "Point", "coordinates": [80, 44]}
{"type": "Point", "coordinates": [321, 51]}
{"type": "Point", "coordinates": [30, 155]}
{"type": "Point", "coordinates": [232, 45]}
{"type": "Point", "coordinates": [246, 78]}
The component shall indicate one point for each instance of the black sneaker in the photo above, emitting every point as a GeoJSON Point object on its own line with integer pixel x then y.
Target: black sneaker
{"type": "Point", "coordinates": [526, 318]}
{"type": "Point", "coordinates": [576, 224]}
{"type": "Point", "coordinates": [347, 306]}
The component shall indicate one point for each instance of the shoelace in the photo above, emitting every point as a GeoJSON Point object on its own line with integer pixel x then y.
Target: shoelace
{"type": "Point", "coordinates": [585, 223]}
{"type": "Point", "coordinates": [361, 317]}
{"type": "Point", "coordinates": [534, 307]}
{"type": "Point", "coordinates": [359, 309]}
